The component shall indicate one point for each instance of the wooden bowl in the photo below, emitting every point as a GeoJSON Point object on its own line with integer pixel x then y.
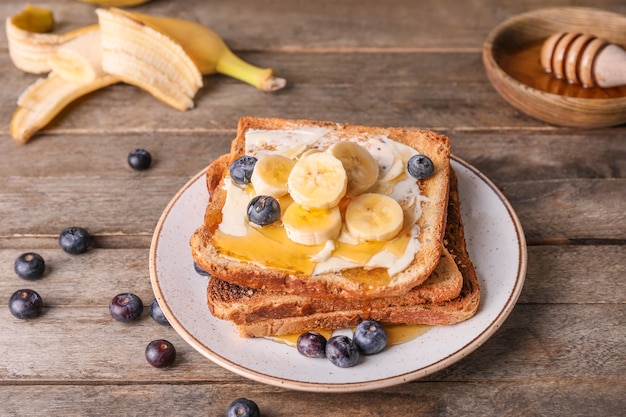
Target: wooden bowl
{"type": "Point", "coordinates": [539, 94]}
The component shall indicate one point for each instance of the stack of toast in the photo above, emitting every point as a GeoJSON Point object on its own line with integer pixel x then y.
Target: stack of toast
{"type": "Point", "coordinates": [422, 275]}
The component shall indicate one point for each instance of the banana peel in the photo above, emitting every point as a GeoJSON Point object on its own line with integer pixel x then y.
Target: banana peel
{"type": "Point", "coordinates": [40, 103]}
{"type": "Point", "coordinates": [205, 47]}
{"type": "Point", "coordinates": [31, 42]}
{"type": "Point", "coordinates": [166, 57]}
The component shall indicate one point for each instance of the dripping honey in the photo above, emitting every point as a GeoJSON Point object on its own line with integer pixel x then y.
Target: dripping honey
{"type": "Point", "coordinates": [396, 334]}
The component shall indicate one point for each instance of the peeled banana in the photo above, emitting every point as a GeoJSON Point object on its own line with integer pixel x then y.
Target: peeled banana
{"type": "Point", "coordinates": [317, 181]}
{"type": "Point", "coordinates": [148, 59]}
{"type": "Point", "coordinates": [374, 217]}
{"type": "Point", "coordinates": [204, 47]}
{"type": "Point", "coordinates": [166, 57]}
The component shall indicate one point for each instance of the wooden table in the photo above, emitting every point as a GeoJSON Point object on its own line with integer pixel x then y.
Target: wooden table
{"type": "Point", "coordinates": [394, 63]}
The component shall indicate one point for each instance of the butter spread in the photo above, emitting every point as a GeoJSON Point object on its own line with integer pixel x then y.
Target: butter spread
{"type": "Point", "coordinates": [345, 252]}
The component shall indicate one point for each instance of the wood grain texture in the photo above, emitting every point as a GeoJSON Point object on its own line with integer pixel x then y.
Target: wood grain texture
{"type": "Point", "coordinates": [396, 63]}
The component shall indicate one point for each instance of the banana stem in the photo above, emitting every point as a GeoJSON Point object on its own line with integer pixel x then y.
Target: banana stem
{"type": "Point", "coordinates": [262, 78]}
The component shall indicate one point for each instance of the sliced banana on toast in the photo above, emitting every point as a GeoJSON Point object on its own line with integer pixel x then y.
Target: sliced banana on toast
{"type": "Point", "coordinates": [373, 216]}
{"type": "Point", "coordinates": [311, 226]}
{"type": "Point", "coordinates": [270, 175]}
{"type": "Point", "coordinates": [318, 180]}
{"type": "Point", "coordinates": [361, 167]}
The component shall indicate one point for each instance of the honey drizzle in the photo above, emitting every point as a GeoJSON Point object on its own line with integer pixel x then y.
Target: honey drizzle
{"type": "Point", "coordinates": [396, 334]}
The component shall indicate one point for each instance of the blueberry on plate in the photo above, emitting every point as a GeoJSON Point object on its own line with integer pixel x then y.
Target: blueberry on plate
{"type": "Point", "coordinates": [160, 353]}
{"type": "Point", "coordinates": [311, 345]}
{"type": "Point", "coordinates": [29, 266]}
{"type": "Point", "coordinates": [370, 337]}
{"type": "Point", "coordinates": [342, 352]}
{"type": "Point", "coordinates": [25, 304]}
{"type": "Point", "coordinates": [263, 210]}
{"type": "Point", "coordinates": [157, 314]}
{"type": "Point", "coordinates": [126, 307]}
{"type": "Point", "coordinates": [199, 270]}
{"type": "Point", "coordinates": [420, 167]}
{"type": "Point", "coordinates": [243, 407]}
{"type": "Point", "coordinates": [74, 240]}
{"type": "Point", "coordinates": [139, 159]}
{"type": "Point", "coordinates": [241, 169]}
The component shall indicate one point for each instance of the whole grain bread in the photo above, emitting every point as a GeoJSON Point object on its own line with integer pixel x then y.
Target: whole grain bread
{"type": "Point", "coordinates": [337, 283]}
{"type": "Point", "coordinates": [258, 313]}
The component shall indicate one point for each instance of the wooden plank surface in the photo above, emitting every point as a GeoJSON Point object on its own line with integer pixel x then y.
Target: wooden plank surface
{"type": "Point", "coordinates": [395, 63]}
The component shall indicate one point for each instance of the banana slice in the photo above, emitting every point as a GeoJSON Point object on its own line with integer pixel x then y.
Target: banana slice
{"type": "Point", "coordinates": [361, 167]}
{"type": "Point", "coordinates": [318, 180]}
{"type": "Point", "coordinates": [311, 226]}
{"type": "Point", "coordinates": [372, 216]}
{"type": "Point", "coordinates": [270, 175]}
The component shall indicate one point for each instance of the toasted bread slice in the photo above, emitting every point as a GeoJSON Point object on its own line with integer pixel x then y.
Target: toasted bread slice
{"type": "Point", "coordinates": [336, 283]}
{"type": "Point", "coordinates": [278, 314]}
{"type": "Point", "coordinates": [243, 305]}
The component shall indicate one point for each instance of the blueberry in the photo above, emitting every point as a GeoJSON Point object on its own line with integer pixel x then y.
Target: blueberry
{"type": "Point", "coordinates": [29, 266]}
{"type": "Point", "coordinates": [160, 353]}
{"type": "Point", "coordinates": [370, 337]}
{"type": "Point", "coordinates": [74, 240]}
{"type": "Point", "coordinates": [199, 270]}
{"type": "Point", "coordinates": [311, 345]}
{"type": "Point", "coordinates": [241, 169]}
{"type": "Point", "coordinates": [157, 314]}
{"type": "Point", "coordinates": [126, 307]}
{"type": "Point", "coordinates": [420, 167]}
{"type": "Point", "coordinates": [263, 210]}
{"type": "Point", "coordinates": [243, 407]}
{"type": "Point", "coordinates": [342, 351]}
{"type": "Point", "coordinates": [139, 159]}
{"type": "Point", "coordinates": [25, 304]}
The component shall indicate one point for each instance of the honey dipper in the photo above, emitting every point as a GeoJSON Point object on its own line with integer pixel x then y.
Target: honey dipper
{"type": "Point", "coordinates": [584, 59]}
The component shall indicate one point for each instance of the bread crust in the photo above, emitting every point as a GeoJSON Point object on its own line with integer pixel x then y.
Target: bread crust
{"type": "Point", "coordinates": [332, 284]}
{"type": "Point", "coordinates": [246, 305]}
{"type": "Point", "coordinates": [455, 310]}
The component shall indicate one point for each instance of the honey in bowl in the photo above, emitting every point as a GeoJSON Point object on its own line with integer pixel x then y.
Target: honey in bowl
{"type": "Point", "coordinates": [523, 64]}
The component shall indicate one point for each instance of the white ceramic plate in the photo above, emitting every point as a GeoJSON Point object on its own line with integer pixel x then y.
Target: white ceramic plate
{"type": "Point", "coordinates": [496, 245]}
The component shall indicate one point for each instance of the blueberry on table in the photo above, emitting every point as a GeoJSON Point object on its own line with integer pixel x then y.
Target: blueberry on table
{"type": "Point", "coordinates": [160, 353]}
{"type": "Point", "coordinates": [420, 167]}
{"type": "Point", "coordinates": [370, 337]}
{"type": "Point", "coordinates": [263, 210]}
{"type": "Point", "coordinates": [311, 345]}
{"type": "Point", "coordinates": [29, 266]}
{"type": "Point", "coordinates": [243, 407]}
{"type": "Point", "coordinates": [126, 307]}
{"type": "Point", "coordinates": [157, 314]}
{"type": "Point", "coordinates": [139, 159]}
{"type": "Point", "coordinates": [241, 169]}
{"type": "Point", "coordinates": [342, 352]}
{"type": "Point", "coordinates": [74, 240]}
{"type": "Point", "coordinates": [25, 304]}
